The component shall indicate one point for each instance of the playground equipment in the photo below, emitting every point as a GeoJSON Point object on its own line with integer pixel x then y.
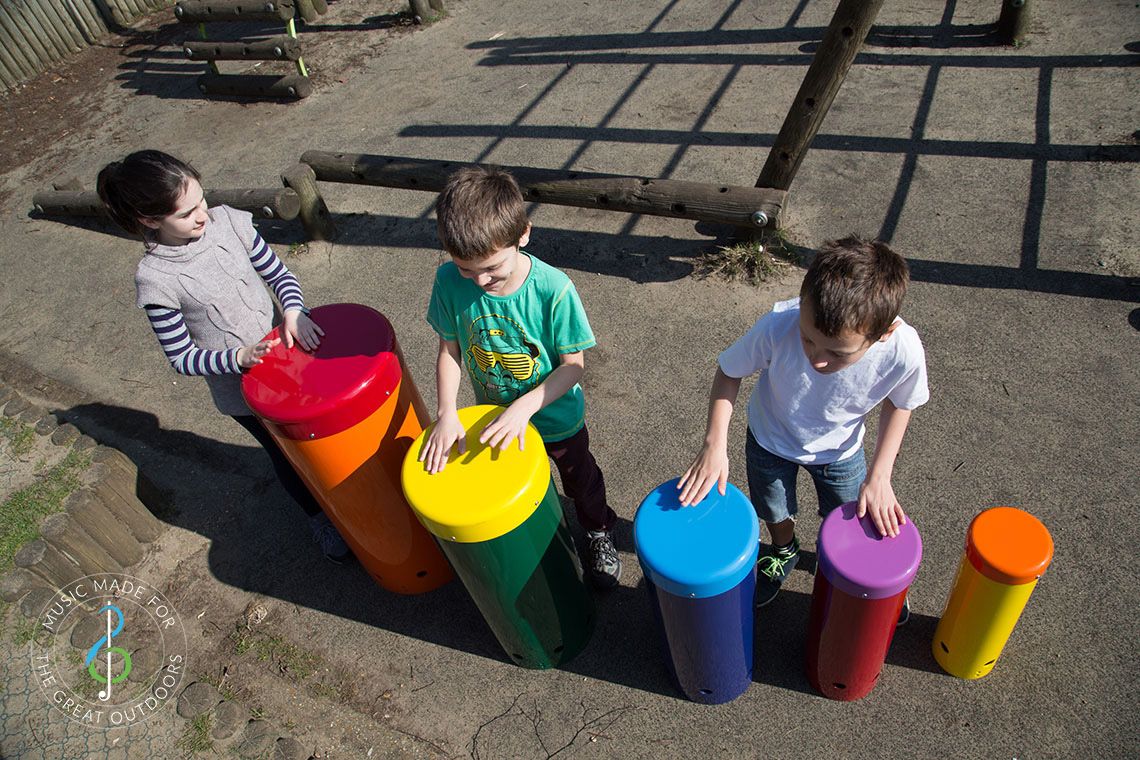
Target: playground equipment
{"type": "Point", "coordinates": [264, 203]}
{"type": "Point", "coordinates": [860, 586]}
{"type": "Point", "coordinates": [345, 415]}
{"type": "Point", "coordinates": [284, 47]}
{"type": "Point", "coordinates": [1007, 550]}
{"type": "Point", "coordinates": [700, 571]}
{"type": "Point", "coordinates": [499, 520]}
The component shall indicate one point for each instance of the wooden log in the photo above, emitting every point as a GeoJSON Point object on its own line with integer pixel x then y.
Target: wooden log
{"type": "Point", "coordinates": [98, 522]}
{"type": "Point", "coordinates": [61, 531]}
{"type": "Point", "coordinates": [279, 48]}
{"type": "Point", "coordinates": [724, 204]}
{"type": "Point", "coordinates": [19, 581]}
{"type": "Point", "coordinates": [115, 487]}
{"type": "Point", "coordinates": [35, 602]}
{"type": "Point", "coordinates": [152, 497]}
{"type": "Point", "coordinates": [92, 23]}
{"type": "Point", "coordinates": [841, 42]}
{"type": "Point", "coordinates": [320, 6]}
{"type": "Point", "coordinates": [9, 74]}
{"type": "Point", "coordinates": [306, 10]}
{"type": "Point", "coordinates": [438, 6]}
{"type": "Point", "coordinates": [421, 10]}
{"type": "Point", "coordinates": [288, 87]}
{"type": "Point", "coordinates": [263, 203]}
{"type": "Point", "coordinates": [26, 30]}
{"type": "Point", "coordinates": [23, 61]}
{"type": "Point", "coordinates": [314, 213]}
{"type": "Point", "coordinates": [48, 563]}
{"type": "Point", "coordinates": [73, 184]}
{"type": "Point", "coordinates": [65, 27]}
{"type": "Point", "coordinates": [1013, 22]}
{"type": "Point", "coordinates": [208, 11]}
{"type": "Point", "coordinates": [52, 37]}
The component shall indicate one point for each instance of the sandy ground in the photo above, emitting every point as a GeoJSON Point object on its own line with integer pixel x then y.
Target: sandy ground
{"type": "Point", "coordinates": [1006, 176]}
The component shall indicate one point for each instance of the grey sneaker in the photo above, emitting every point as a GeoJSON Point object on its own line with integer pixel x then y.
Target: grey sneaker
{"type": "Point", "coordinates": [329, 539]}
{"type": "Point", "coordinates": [773, 568]}
{"type": "Point", "coordinates": [604, 565]}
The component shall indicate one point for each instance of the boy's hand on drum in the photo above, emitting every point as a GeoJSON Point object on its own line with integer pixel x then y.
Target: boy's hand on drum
{"type": "Point", "coordinates": [300, 327]}
{"type": "Point", "coordinates": [708, 469]}
{"type": "Point", "coordinates": [508, 426]}
{"type": "Point", "coordinates": [250, 356]}
{"type": "Point", "coordinates": [877, 498]}
{"type": "Point", "coordinates": [448, 432]}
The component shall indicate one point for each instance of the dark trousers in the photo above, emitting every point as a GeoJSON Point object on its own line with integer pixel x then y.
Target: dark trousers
{"type": "Point", "coordinates": [582, 480]}
{"type": "Point", "coordinates": [286, 475]}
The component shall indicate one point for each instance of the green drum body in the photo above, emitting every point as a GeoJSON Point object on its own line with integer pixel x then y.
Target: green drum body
{"type": "Point", "coordinates": [500, 524]}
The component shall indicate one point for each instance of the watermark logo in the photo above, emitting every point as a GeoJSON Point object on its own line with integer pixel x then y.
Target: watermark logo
{"type": "Point", "coordinates": [110, 651]}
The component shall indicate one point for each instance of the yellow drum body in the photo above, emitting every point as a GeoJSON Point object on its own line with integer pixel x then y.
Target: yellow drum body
{"type": "Point", "coordinates": [1007, 549]}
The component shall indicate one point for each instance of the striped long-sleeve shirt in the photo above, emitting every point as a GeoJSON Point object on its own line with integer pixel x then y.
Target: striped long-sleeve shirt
{"type": "Point", "coordinates": [184, 356]}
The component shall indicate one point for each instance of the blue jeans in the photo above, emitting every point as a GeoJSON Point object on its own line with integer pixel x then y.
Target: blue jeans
{"type": "Point", "coordinates": [772, 482]}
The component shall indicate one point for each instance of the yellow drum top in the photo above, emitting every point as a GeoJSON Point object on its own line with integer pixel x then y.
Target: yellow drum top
{"type": "Point", "coordinates": [482, 493]}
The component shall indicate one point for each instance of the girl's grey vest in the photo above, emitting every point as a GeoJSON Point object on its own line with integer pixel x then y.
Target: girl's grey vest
{"type": "Point", "coordinates": [223, 299]}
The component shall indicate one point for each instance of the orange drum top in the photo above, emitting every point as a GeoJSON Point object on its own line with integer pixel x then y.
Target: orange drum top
{"type": "Point", "coordinates": [1009, 545]}
{"type": "Point", "coordinates": [350, 375]}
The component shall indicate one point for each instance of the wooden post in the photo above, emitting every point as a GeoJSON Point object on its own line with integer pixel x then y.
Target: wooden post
{"type": "Point", "coordinates": [104, 527]}
{"type": "Point", "coordinates": [34, 603]}
{"type": "Point", "coordinates": [421, 10]}
{"type": "Point", "coordinates": [279, 48]}
{"type": "Point", "coordinates": [306, 10]}
{"type": "Point", "coordinates": [841, 42]}
{"type": "Point", "coordinates": [1013, 21]}
{"type": "Point", "coordinates": [725, 204]}
{"type": "Point", "coordinates": [61, 531]}
{"type": "Point", "coordinates": [47, 562]}
{"type": "Point", "coordinates": [115, 487]}
{"type": "Point", "coordinates": [152, 497]}
{"type": "Point", "coordinates": [438, 6]}
{"type": "Point", "coordinates": [314, 213]}
{"type": "Point", "coordinates": [17, 582]}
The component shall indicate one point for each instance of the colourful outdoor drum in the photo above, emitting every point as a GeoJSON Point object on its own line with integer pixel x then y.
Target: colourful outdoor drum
{"type": "Point", "coordinates": [345, 415]}
{"type": "Point", "coordinates": [499, 520]}
{"type": "Point", "coordinates": [860, 584]}
{"type": "Point", "coordinates": [1007, 550]}
{"type": "Point", "coordinates": [700, 569]}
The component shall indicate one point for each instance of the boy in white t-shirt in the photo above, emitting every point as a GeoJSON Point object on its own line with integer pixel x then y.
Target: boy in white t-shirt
{"type": "Point", "coordinates": [825, 360]}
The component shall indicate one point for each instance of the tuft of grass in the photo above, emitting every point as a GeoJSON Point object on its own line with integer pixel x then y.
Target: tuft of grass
{"type": "Point", "coordinates": [196, 737]}
{"type": "Point", "coordinates": [748, 261]}
{"type": "Point", "coordinates": [19, 437]}
{"type": "Point", "coordinates": [289, 658]}
{"type": "Point", "coordinates": [21, 512]}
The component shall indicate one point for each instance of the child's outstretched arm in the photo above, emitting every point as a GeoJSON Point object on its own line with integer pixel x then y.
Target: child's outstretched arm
{"type": "Point", "coordinates": [448, 430]}
{"type": "Point", "coordinates": [877, 496]}
{"type": "Point", "coordinates": [511, 424]}
{"type": "Point", "coordinates": [185, 356]}
{"type": "Point", "coordinates": [284, 284]}
{"type": "Point", "coordinates": [711, 465]}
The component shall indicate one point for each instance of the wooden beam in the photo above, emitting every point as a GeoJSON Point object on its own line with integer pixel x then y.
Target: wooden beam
{"type": "Point", "coordinates": [725, 204]}
{"type": "Point", "coordinates": [841, 42]}
{"type": "Point", "coordinates": [290, 86]}
{"type": "Point", "coordinates": [279, 48]}
{"type": "Point", "coordinates": [314, 213]}
{"type": "Point", "coordinates": [263, 203]}
{"type": "Point", "coordinates": [208, 11]}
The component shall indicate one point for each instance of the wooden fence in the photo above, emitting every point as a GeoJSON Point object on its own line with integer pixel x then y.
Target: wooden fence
{"type": "Point", "coordinates": [34, 34]}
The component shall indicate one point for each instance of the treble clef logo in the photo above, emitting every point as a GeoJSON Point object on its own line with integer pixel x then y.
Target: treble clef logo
{"type": "Point", "coordinates": [93, 652]}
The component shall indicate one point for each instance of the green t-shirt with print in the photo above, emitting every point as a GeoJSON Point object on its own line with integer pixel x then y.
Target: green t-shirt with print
{"type": "Point", "coordinates": [510, 344]}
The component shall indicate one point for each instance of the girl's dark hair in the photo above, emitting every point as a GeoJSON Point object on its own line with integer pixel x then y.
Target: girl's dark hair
{"type": "Point", "coordinates": [146, 183]}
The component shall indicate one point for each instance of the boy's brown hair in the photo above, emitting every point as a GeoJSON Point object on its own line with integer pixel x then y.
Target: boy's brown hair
{"type": "Point", "coordinates": [857, 285]}
{"type": "Point", "coordinates": [481, 210]}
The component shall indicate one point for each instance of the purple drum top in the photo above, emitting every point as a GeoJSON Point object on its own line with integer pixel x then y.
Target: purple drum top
{"type": "Point", "coordinates": [857, 560]}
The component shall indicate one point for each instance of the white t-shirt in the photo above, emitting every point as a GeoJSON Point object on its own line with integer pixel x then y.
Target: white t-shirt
{"type": "Point", "coordinates": [811, 418]}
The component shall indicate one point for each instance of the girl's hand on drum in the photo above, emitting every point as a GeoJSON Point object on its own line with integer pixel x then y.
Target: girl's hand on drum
{"type": "Point", "coordinates": [250, 356]}
{"type": "Point", "coordinates": [300, 327]}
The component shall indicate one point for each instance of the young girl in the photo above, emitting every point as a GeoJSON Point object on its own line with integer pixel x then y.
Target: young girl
{"type": "Point", "coordinates": [200, 282]}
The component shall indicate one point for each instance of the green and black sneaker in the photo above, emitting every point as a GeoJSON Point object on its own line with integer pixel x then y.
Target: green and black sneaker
{"type": "Point", "coordinates": [773, 568]}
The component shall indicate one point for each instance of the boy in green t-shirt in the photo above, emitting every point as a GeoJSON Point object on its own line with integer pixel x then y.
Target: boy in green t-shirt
{"type": "Point", "coordinates": [519, 327]}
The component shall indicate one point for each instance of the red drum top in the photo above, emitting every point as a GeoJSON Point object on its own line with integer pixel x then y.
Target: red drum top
{"type": "Point", "coordinates": [350, 375]}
